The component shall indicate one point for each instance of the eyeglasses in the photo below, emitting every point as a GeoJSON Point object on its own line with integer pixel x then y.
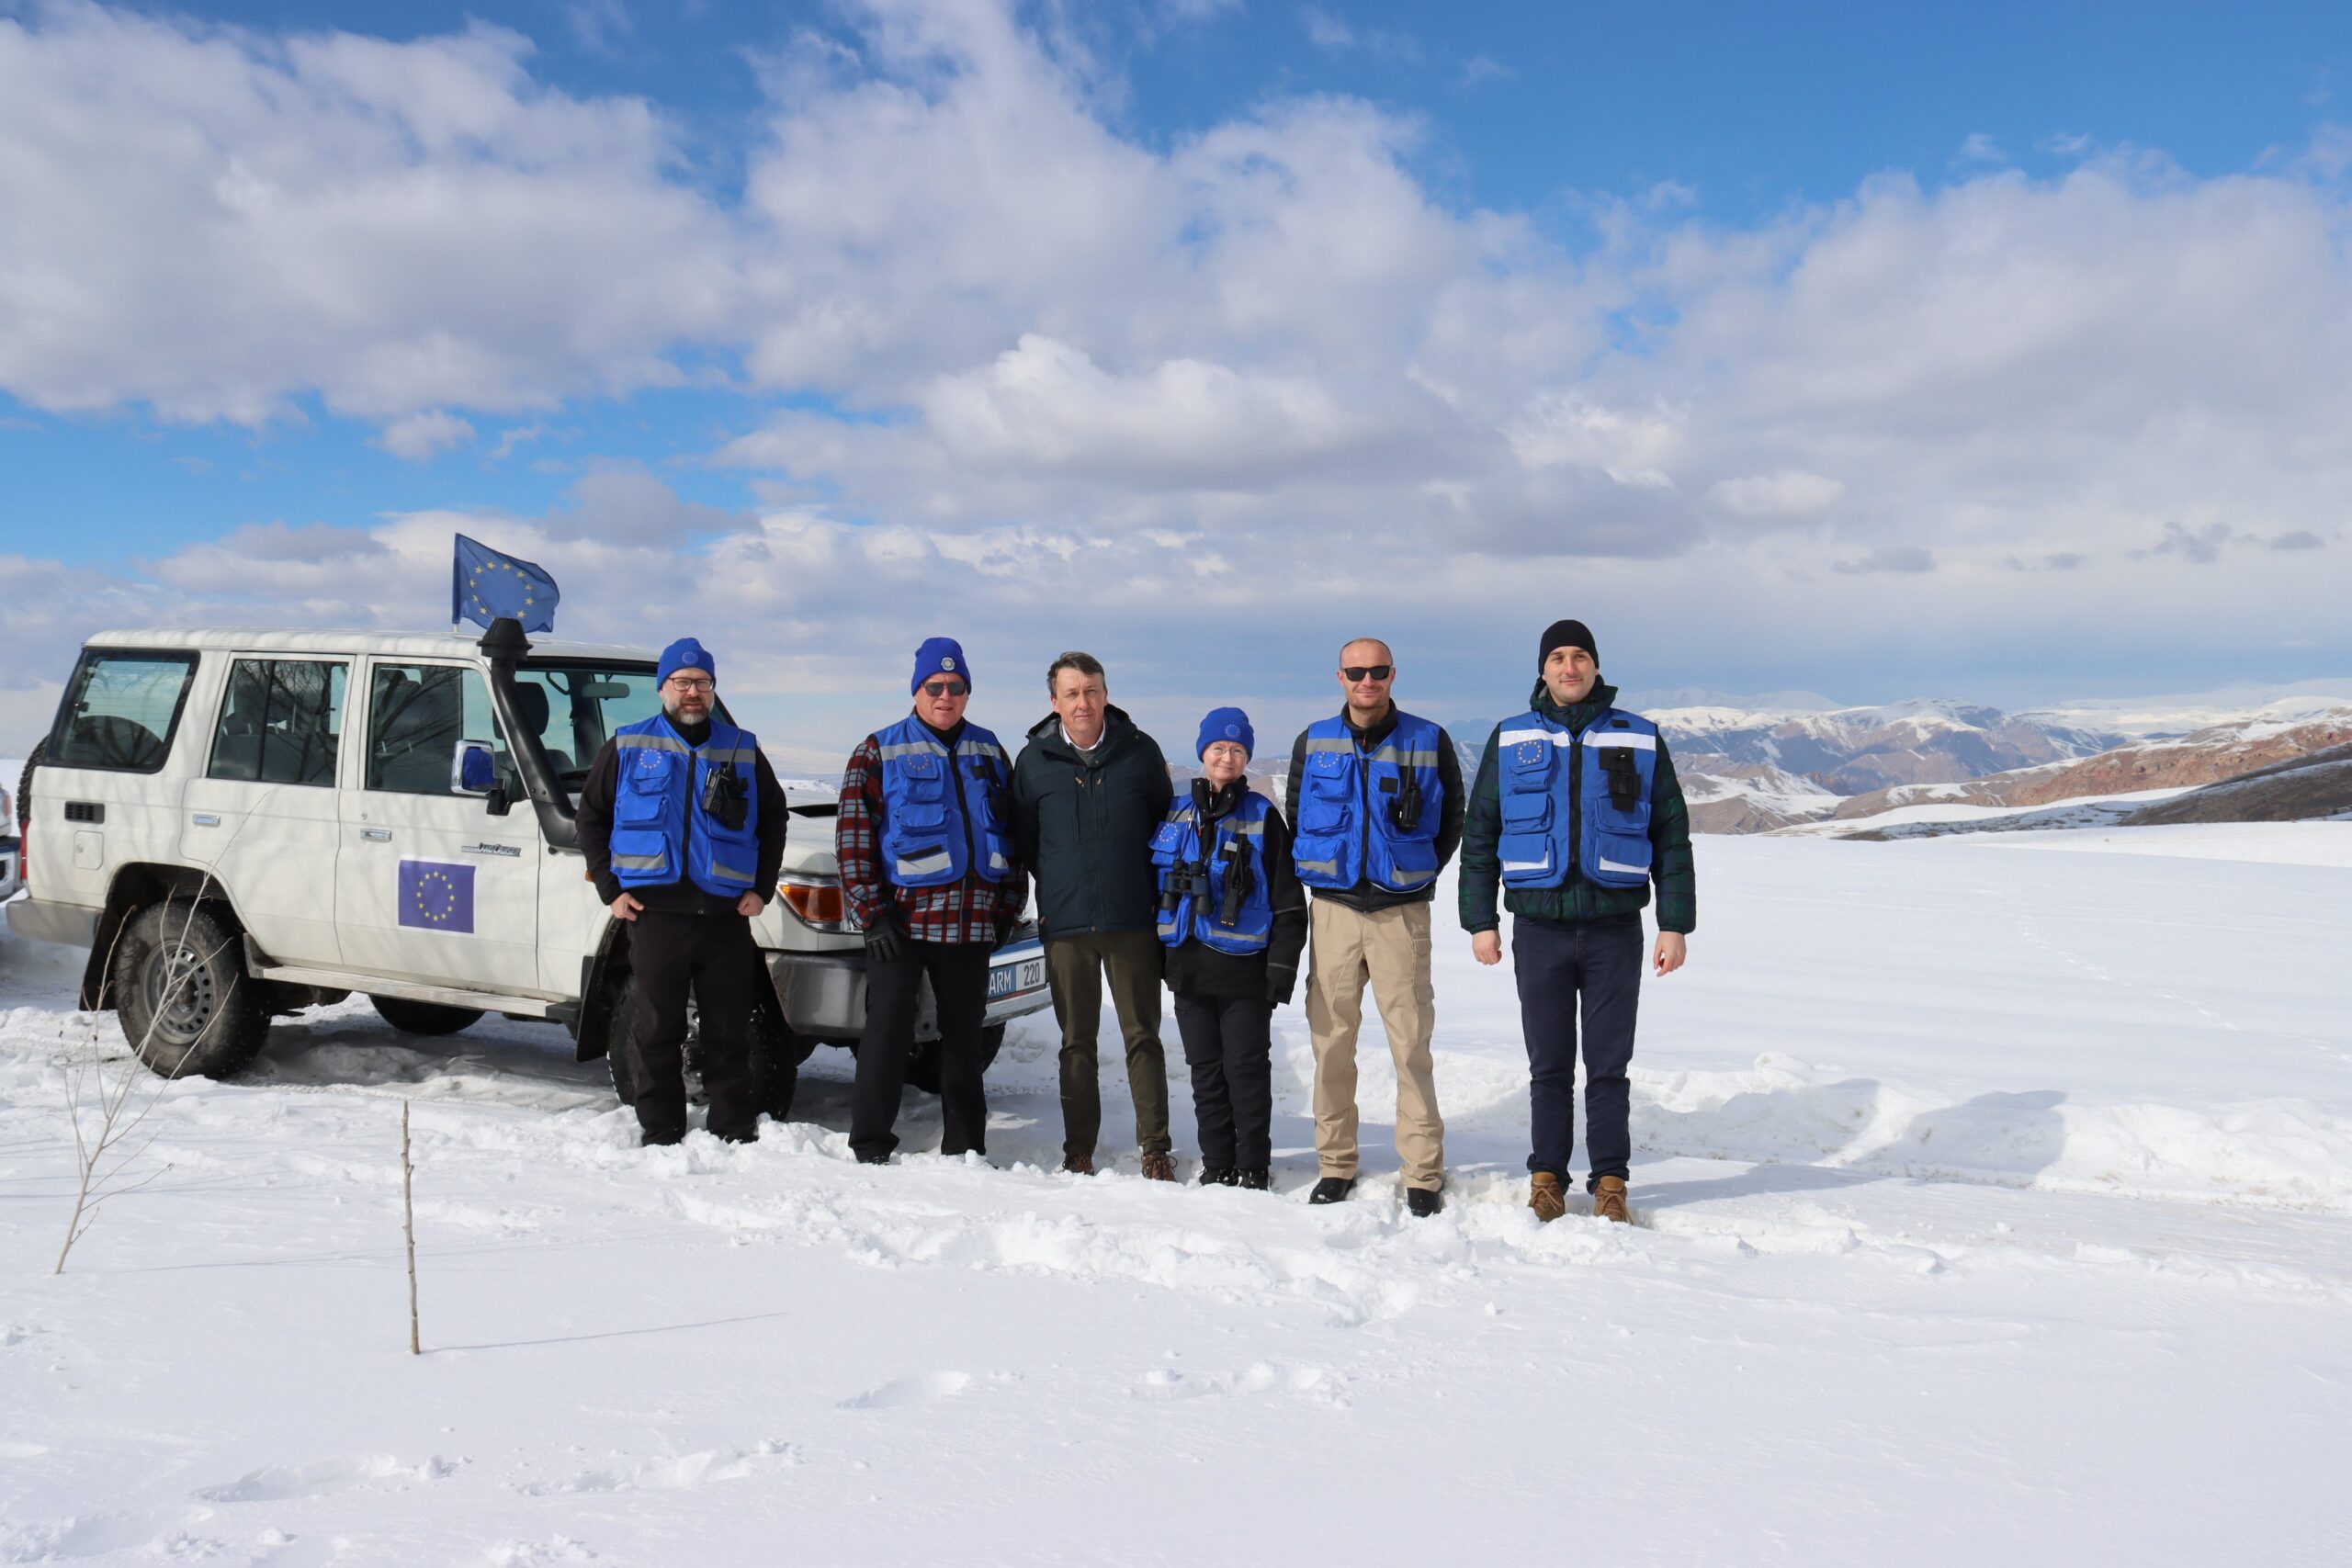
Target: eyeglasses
{"type": "Point", "coordinates": [685, 685]}
{"type": "Point", "coordinates": [1366, 672]}
{"type": "Point", "coordinates": [944, 688]}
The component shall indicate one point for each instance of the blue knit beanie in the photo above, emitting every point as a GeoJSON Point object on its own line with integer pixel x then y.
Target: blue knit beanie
{"type": "Point", "coordinates": [940, 656]}
{"type": "Point", "coordinates": [684, 654]}
{"type": "Point", "coordinates": [1225, 724]}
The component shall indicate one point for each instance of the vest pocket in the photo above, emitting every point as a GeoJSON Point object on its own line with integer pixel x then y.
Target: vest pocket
{"type": "Point", "coordinates": [643, 789]}
{"type": "Point", "coordinates": [1413, 863]}
{"type": "Point", "coordinates": [641, 851]}
{"type": "Point", "coordinates": [1624, 859]}
{"type": "Point", "coordinates": [1167, 843]}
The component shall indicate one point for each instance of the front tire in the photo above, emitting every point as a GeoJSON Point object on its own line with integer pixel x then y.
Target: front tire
{"type": "Point", "coordinates": [423, 1017]}
{"type": "Point", "coordinates": [187, 1007]}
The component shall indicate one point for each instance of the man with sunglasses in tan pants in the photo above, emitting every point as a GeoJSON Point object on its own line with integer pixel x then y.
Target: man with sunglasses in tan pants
{"type": "Point", "coordinates": [1375, 800]}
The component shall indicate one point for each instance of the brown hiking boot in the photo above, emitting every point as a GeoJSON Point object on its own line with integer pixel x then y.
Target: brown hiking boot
{"type": "Point", "coordinates": [1158, 1168]}
{"type": "Point", "coordinates": [1078, 1165]}
{"type": "Point", "coordinates": [1609, 1198]}
{"type": "Point", "coordinates": [1544, 1197]}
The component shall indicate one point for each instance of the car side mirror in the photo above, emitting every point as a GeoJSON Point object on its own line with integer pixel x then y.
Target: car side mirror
{"type": "Point", "coordinates": [473, 770]}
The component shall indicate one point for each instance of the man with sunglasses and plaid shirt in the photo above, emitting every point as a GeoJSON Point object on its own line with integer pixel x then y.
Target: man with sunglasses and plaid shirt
{"type": "Point", "coordinates": [929, 872]}
{"type": "Point", "coordinates": [1376, 807]}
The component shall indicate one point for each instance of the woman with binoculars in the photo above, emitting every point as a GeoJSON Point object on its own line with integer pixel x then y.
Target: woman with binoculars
{"type": "Point", "coordinates": [1234, 920]}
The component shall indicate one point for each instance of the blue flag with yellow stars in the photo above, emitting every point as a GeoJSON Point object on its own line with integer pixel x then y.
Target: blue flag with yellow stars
{"type": "Point", "coordinates": [437, 896]}
{"type": "Point", "coordinates": [488, 584]}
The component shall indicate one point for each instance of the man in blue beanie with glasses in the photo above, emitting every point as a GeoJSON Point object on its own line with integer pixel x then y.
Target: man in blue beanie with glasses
{"type": "Point", "coordinates": [681, 824]}
{"type": "Point", "coordinates": [929, 874]}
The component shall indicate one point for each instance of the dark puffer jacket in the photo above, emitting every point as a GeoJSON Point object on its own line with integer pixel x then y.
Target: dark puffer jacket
{"type": "Point", "coordinates": [1577, 898]}
{"type": "Point", "coordinates": [1083, 826]}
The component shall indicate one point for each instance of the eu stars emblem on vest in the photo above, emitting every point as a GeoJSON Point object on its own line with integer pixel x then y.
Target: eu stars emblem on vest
{"type": "Point", "coordinates": [436, 895]}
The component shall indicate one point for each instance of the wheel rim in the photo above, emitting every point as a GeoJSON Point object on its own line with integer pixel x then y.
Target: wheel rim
{"type": "Point", "coordinates": [181, 999]}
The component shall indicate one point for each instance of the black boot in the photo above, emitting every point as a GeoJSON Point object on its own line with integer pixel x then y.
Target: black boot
{"type": "Point", "coordinates": [1257, 1178]}
{"type": "Point", "coordinates": [1422, 1201]}
{"type": "Point", "coordinates": [1332, 1190]}
{"type": "Point", "coordinates": [1216, 1174]}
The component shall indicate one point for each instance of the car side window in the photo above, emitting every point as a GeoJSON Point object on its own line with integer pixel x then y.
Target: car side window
{"type": "Point", "coordinates": [121, 710]}
{"type": "Point", "coordinates": [282, 722]}
{"type": "Point", "coordinates": [416, 716]}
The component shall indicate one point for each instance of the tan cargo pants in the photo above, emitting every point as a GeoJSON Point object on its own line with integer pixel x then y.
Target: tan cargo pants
{"type": "Point", "coordinates": [1391, 948]}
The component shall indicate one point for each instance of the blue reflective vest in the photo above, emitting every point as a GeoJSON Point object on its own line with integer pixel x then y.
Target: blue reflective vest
{"type": "Point", "coordinates": [943, 814]}
{"type": "Point", "coordinates": [1241, 838]}
{"type": "Point", "coordinates": [1559, 814]}
{"type": "Point", "coordinates": [1345, 832]}
{"type": "Point", "coordinates": [660, 833]}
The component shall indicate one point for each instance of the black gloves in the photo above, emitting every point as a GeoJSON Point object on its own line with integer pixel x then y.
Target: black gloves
{"type": "Point", "coordinates": [1279, 983]}
{"type": "Point", "coordinates": [885, 939]}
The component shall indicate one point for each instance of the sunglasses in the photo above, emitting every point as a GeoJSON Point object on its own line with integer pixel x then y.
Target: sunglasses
{"type": "Point", "coordinates": [944, 688]}
{"type": "Point", "coordinates": [1366, 672]}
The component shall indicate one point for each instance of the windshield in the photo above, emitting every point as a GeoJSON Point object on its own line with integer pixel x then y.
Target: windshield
{"type": "Point", "coordinates": [578, 707]}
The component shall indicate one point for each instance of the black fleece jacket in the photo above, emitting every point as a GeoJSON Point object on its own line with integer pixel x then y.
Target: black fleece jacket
{"type": "Point", "coordinates": [1083, 824]}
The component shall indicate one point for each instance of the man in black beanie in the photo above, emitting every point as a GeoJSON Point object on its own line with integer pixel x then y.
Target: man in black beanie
{"type": "Point", "coordinates": [1577, 812]}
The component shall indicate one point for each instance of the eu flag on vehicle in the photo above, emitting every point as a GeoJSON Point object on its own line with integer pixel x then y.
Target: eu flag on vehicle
{"type": "Point", "coordinates": [436, 895]}
{"type": "Point", "coordinates": [487, 583]}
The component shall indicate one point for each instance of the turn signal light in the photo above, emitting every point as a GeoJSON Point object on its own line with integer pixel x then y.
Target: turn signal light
{"type": "Point", "coordinates": [817, 903]}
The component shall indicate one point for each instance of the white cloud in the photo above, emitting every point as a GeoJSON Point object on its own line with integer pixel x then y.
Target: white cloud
{"type": "Point", "coordinates": [1790, 494]}
{"type": "Point", "coordinates": [1061, 367]}
{"type": "Point", "coordinates": [392, 226]}
{"type": "Point", "coordinates": [419, 437]}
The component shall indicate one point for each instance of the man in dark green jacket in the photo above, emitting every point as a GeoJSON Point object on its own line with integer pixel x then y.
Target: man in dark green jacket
{"type": "Point", "coordinates": [1576, 929]}
{"type": "Point", "coordinates": [1089, 792]}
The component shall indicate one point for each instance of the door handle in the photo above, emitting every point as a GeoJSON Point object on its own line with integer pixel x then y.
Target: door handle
{"type": "Point", "coordinates": [377, 835]}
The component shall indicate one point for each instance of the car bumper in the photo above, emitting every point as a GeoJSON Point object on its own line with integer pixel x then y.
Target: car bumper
{"type": "Point", "coordinates": [36, 919]}
{"type": "Point", "coordinates": [824, 993]}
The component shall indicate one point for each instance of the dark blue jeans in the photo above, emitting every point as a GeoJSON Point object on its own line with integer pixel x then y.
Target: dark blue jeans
{"type": "Point", "coordinates": [1597, 963]}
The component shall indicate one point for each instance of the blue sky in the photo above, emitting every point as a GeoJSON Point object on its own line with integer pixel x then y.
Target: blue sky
{"type": "Point", "coordinates": [1878, 350]}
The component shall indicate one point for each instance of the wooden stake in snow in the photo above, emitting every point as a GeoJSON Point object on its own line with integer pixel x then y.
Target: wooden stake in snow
{"type": "Point", "coordinates": [408, 1226]}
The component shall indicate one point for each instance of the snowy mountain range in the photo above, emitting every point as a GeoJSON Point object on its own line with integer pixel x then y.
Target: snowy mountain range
{"type": "Point", "coordinates": [1754, 763]}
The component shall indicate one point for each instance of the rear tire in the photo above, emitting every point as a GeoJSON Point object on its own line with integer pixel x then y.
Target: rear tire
{"type": "Point", "coordinates": [186, 1005]}
{"type": "Point", "coordinates": [423, 1017]}
{"type": "Point", "coordinates": [922, 1068]}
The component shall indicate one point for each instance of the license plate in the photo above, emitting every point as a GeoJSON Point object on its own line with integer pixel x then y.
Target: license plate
{"type": "Point", "coordinates": [1009, 979]}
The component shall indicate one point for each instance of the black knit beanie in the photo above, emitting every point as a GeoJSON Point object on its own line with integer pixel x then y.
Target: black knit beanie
{"type": "Point", "coordinates": [1565, 634]}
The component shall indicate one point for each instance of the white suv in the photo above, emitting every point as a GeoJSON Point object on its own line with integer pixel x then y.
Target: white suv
{"type": "Point", "coordinates": [242, 824]}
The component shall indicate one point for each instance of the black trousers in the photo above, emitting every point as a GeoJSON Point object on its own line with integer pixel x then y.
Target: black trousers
{"type": "Point", "coordinates": [959, 984]}
{"type": "Point", "coordinates": [1599, 964]}
{"type": "Point", "coordinates": [1228, 1044]}
{"type": "Point", "coordinates": [713, 958]}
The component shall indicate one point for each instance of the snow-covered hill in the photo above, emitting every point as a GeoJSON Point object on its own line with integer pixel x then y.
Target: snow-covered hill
{"type": "Point", "coordinates": [1996, 1204]}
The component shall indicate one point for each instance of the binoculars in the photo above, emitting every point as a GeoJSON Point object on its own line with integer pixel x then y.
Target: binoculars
{"type": "Point", "coordinates": [1183, 880]}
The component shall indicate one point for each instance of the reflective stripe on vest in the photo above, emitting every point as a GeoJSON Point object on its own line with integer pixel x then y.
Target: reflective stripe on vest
{"type": "Point", "coordinates": [660, 832]}
{"type": "Point", "coordinates": [1558, 814]}
{"type": "Point", "coordinates": [941, 812]}
{"type": "Point", "coordinates": [1199, 915]}
{"type": "Point", "coordinates": [1345, 834]}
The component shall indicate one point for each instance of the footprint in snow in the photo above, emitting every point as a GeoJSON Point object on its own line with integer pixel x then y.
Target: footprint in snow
{"type": "Point", "coordinates": [277, 1484]}
{"type": "Point", "coordinates": [920, 1389]}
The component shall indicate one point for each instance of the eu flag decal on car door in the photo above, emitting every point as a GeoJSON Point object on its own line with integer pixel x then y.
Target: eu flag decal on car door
{"type": "Point", "coordinates": [436, 895]}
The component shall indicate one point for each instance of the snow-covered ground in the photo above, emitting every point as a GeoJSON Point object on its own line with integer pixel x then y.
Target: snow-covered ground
{"type": "Point", "coordinates": [1995, 1204]}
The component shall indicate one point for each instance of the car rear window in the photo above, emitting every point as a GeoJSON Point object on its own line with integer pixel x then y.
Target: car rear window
{"type": "Point", "coordinates": [121, 709]}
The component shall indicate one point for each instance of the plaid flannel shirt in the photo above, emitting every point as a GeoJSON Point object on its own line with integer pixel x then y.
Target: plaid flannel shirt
{"type": "Point", "coordinates": [969, 910]}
